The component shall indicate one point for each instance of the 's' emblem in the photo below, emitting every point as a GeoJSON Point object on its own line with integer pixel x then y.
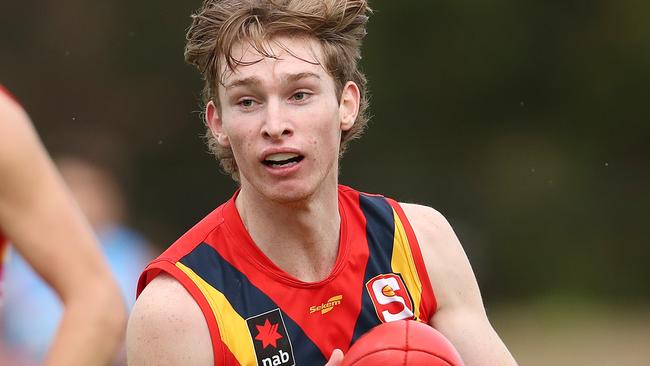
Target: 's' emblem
{"type": "Point", "coordinates": [390, 297]}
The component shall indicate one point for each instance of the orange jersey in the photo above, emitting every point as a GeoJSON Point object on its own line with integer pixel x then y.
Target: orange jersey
{"type": "Point", "coordinates": [257, 314]}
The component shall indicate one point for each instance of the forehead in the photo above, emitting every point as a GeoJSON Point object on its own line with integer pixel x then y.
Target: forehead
{"type": "Point", "coordinates": [279, 57]}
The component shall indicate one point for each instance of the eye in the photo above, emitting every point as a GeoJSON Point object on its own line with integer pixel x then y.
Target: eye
{"type": "Point", "coordinates": [300, 96]}
{"type": "Point", "coordinates": [246, 103]}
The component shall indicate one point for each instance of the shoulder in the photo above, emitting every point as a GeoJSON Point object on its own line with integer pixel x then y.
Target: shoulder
{"type": "Point", "coordinates": [16, 130]}
{"type": "Point", "coordinates": [448, 267]}
{"type": "Point", "coordinates": [167, 327]}
{"type": "Point", "coordinates": [430, 226]}
{"type": "Point", "coordinates": [15, 122]}
{"type": "Point", "coordinates": [20, 146]}
{"type": "Point", "coordinates": [438, 241]}
{"type": "Point", "coordinates": [9, 108]}
{"type": "Point", "coordinates": [422, 213]}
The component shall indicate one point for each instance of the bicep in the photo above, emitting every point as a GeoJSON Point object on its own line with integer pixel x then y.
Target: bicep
{"type": "Point", "coordinates": [167, 327]}
{"type": "Point", "coordinates": [460, 315]}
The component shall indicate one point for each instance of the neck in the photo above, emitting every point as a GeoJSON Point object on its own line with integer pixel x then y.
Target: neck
{"type": "Point", "coordinates": [300, 237]}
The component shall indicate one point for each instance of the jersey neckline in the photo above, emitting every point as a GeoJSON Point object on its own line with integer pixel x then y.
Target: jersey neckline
{"type": "Point", "coordinates": [251, 252]}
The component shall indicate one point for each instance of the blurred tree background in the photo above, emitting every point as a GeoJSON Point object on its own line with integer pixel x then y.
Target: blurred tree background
{"type": "Point", "coordinates": [525, 122]}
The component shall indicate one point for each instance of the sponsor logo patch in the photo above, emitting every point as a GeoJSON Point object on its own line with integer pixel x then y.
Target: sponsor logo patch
{"type": "Point", "coordinates": [391, 297]}
{"type": "Point", "coordinates": [270, 339]}
{"type": "Point", "coordinates": [327, 306]}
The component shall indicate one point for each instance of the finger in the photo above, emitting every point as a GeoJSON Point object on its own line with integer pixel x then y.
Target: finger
{"type": "Point", "coordinates": [336, 358]}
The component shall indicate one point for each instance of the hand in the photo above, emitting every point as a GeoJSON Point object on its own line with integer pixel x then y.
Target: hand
{"type": "Point", "coordinates": [336, 359]}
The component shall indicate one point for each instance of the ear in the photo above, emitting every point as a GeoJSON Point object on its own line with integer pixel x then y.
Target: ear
{"type": "Point", "coordinates": [349, 105]}
{"type": "Point", "coordinates": [215, 123]}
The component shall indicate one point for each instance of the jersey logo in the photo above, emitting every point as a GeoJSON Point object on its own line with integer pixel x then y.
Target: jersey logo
{"type": "Point", "coordinates": [270, 339]}
{"type": "Point", "coordinates": [391, 297]}
{"type": "Point", "coordinates": [327, 306]}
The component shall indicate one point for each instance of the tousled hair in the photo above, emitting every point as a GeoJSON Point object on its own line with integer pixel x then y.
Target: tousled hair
{"type": "Point", "coordinates": [339, 26]}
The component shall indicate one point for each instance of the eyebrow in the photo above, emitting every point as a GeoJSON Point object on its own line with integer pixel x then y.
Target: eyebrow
{"type": "Point", "coordinates": [249, 81]}
{"type": "Point", "coordinates": [300, 76]}
{"type": "Point", "coordinates": [255, 82]}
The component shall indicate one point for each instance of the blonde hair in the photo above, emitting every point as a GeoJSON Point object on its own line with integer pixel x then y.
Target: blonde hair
{"type": "Point", "coordinates": [339, 26]}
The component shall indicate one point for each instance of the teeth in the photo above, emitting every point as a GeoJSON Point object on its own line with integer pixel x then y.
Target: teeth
{"type": "Point", "coordinates": [281, 157]}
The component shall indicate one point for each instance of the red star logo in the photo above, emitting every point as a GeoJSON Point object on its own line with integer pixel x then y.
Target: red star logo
{"type": "Point", "coordinates": [268, 334]}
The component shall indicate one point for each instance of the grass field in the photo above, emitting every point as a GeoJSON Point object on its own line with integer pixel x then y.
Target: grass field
{"type": "Point", "coordinates": [574, 334]}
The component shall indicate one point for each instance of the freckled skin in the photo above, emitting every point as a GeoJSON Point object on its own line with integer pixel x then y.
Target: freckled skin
{"type": "Point", "coordinates": [311, 125]}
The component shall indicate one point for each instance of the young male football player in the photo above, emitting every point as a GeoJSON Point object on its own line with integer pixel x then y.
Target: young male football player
{"type": "Point", "coordinates": [296, 266]}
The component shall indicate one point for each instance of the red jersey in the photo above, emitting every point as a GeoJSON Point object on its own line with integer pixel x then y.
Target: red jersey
{"type": "Point", "coordinates": [257, 314]}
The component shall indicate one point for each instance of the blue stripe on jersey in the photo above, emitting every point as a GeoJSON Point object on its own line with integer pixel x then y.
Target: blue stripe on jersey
{"type": "Point", "coordinates": [246, 299]}
{"type": "Point", "coordinates": [380, 233]}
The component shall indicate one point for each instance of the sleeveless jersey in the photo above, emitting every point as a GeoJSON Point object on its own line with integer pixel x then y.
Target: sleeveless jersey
{"type": "Point", "coordinates": [258, 314]}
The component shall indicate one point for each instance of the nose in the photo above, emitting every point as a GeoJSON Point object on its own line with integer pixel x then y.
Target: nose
{"type": "Point", "coordinates": [276, 121]}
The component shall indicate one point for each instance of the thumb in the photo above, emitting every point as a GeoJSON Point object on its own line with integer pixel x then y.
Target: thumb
{"type": "Point", "coordinates": [336, 359]}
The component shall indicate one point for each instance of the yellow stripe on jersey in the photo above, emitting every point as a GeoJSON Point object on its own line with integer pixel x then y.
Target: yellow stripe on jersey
{"type": "Point", "coordinates": [402, 263]}
{"type": "Point", "coordinates": [235, 334]}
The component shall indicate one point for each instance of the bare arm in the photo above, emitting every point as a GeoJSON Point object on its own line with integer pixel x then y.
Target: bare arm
{"type": "Point", "coordinates": [44, 224]}
{"type": "Point", "coordinates": [167, 327]}
{"type": "Point", "coordinates": [460, 315]}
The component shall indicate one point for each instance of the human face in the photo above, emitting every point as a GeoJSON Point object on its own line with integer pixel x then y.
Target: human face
{"type": "Point", "coordinates": [283, 120]}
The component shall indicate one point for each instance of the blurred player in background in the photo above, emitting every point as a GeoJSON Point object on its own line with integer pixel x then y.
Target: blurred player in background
{"type": "Point", "coordinates": [295, 267]}
{"type": "Point", "coordinates": [40, 219]}
{"type": "Point", "coordinates": [31, 311]}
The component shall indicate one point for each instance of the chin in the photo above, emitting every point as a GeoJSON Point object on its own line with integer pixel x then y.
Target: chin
{"type": "Point", "coordinates": [288, 193]}
{"type": "Point", "coordinates": [290, 190]}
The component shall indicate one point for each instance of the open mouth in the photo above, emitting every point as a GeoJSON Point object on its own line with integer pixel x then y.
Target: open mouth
{"type": "Point", "coordinates": [282, 160]}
